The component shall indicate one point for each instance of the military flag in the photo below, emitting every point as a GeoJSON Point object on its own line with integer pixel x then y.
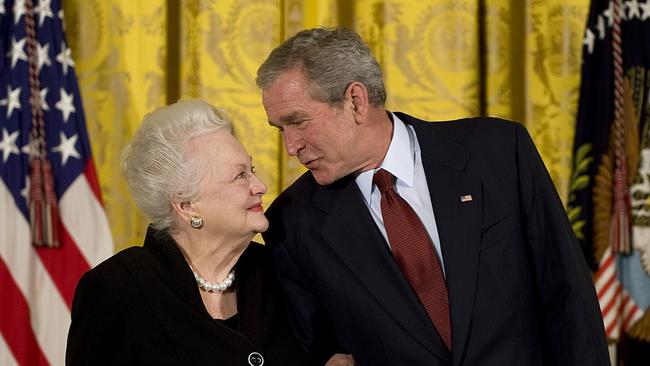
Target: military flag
{"type": "Point", "coordinates": [609, 203]}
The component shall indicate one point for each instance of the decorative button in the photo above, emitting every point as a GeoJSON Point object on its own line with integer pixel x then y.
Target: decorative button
{"type": "Point", "coordinates": [255, 359]}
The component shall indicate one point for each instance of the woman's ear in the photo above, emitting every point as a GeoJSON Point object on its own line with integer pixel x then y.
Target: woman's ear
{"type": "Point", "coordinates": [184, 209]}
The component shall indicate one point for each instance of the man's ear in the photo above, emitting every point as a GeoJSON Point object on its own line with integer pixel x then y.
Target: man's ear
{"type": "Point", "coordinates": [357, 95]}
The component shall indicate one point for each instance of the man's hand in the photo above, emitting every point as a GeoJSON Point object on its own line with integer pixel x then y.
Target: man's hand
{"type": "Point", "coordinates": [340, 359]}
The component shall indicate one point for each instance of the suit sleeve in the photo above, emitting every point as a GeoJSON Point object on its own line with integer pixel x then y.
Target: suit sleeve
{"type": "Point", "coordinates": [309, 321]}
{"type": "Point", "coordinates": [572, 320]}
{"type": "Point", "coordinates": [98, 333]}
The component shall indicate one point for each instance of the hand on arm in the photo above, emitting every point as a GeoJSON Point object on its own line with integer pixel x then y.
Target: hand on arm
{"type": "Point", "coordinates": [340, 359]}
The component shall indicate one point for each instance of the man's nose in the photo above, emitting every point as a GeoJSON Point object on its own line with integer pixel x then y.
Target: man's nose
{"type": "Point", "coordinates": [292, 142]}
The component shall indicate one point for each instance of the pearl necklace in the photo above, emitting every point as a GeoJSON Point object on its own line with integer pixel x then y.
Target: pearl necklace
{"type": "Point", "coordinates": [208, 286]}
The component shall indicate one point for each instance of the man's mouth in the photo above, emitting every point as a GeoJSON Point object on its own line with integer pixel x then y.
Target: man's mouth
{"type": "Point", "coordinates": [311, 164]}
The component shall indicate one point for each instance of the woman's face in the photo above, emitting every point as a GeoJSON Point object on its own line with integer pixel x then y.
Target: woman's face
{"type": "Point", "coordinates": [230, 194]}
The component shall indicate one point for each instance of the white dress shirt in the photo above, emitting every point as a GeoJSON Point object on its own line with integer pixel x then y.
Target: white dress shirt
{"type": "Point", "coordinates": [403, 160]}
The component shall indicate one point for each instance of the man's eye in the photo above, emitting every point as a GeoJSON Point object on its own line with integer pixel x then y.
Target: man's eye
{"type": "Point", "coordinates": [241, 175]}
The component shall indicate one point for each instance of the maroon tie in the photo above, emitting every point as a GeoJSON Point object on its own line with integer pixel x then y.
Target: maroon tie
{"type": "Point", "coordinates": [414, 254]}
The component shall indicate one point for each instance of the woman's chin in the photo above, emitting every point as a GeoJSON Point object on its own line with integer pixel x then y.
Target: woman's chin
{"type": "Point", "coordinates": [260, 225]}
{"type": "Point", "coordinates": [262, 228]}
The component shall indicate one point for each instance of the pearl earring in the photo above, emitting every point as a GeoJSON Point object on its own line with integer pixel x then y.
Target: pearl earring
{"type": "Point", "coordinates": [196, 221]}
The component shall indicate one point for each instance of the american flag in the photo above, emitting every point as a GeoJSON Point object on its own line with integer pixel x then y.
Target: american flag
{"type": "Point", "coordinates": [37, 283]}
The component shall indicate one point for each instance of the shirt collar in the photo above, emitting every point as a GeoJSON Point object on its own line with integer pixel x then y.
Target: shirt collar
{"type": "Point", "coordinates": [394, 162]}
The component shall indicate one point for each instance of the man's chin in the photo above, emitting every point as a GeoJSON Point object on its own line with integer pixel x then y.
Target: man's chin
{"type": "Point", "coordinates": [323, 178]}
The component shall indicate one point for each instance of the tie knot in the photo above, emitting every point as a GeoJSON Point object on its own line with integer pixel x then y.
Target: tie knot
{"type": "Point", "coordinates": [384, 180]}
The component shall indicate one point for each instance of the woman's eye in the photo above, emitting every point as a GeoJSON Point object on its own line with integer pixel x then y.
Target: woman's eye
{"type": "Point", "coordinates": [241, 175]}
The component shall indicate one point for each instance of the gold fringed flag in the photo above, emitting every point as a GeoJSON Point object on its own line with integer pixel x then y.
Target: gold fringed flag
{"type": "Point", "coordinates": [609, 202]}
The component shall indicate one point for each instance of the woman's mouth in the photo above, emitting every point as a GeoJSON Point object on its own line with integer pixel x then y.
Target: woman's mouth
{"type": "Point", "coordinates": [256, 208]}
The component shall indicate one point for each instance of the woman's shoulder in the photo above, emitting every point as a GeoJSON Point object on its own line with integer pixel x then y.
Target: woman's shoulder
{"type": "Point", "coordinates": [115, 269]}
{"type": "Point", "coordinates": [107, 285]}
{"type": "Point", "coordinates": [128, 255]}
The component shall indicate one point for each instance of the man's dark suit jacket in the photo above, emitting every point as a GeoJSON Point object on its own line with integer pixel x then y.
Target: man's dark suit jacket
{"type": "Point", "coordinates": [519, 289]}
{"type": "Point", "coordinates": [143, 307]}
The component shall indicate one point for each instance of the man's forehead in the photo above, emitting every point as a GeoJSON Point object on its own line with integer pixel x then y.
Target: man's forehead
{"type": "Point", "coordinates": [291, 81]}
{"type": "Point", "coordinates": [281, 94]}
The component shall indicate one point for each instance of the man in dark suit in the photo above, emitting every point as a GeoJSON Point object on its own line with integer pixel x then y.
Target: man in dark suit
{"type": "Point", "coordinates": [414, 243]}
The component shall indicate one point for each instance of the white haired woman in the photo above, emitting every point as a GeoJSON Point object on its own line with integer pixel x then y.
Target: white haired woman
{"type": "Point", "coordinates": [198, 292]}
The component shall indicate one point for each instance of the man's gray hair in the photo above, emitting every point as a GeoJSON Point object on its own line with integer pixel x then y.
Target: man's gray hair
{"type": "Point", "coordinates": [156, 164]}
{"type": "Point", "coordinates": [331, 59]}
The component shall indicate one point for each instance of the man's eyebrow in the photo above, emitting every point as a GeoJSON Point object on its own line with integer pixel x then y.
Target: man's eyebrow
{"type": "Point", "coordinates": [289, 119]}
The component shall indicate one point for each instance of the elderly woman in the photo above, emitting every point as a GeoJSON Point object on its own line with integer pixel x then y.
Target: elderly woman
{"type": "Point", "coordinates": [198, 292]}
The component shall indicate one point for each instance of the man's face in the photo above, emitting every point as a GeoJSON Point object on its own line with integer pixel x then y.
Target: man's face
{"type": "Point", "coordinates": [321, 136]}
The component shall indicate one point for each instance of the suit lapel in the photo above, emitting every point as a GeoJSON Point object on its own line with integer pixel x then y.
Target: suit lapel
{"type": "Point", "coordinates": [350, 230]}
{"type": "Point", "coordinates": [458, 222]}
{"type": "Point", "coordinates": [254, 306]}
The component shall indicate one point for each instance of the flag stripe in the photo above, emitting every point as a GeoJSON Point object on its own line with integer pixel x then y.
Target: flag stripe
{"type": "Point", "coordinates": [50, 317]}
{"type": "Point", "coordinates": [89, 231]}
{"type": "Point", "coordinates": [627, 317]}
{"type": "Point", "coordinates": [606, 297]}
{"type": "Point", "coordinates": [613, 328]}
{"type": "Point", "coordinates": [609, 316]}
{"type": "Point", "coordinates": [608, 279]}
{"type": "Point", "coordinates": [6, 357]}
{"type": "Point", "coordinates": [631, 313]}
{"type": "Point", "coordinates": [607, 260]}
{"type": "Point", "coordinates": [620, 313]}
{"type": "Point", "coordinates": [618, 308]}
{"type": "Point", "coordinates": [93, 182]}
{"type": "Point", "coordinates": [15, 320]}
{"type": "Point", "coordinates": [65, 265]}
{"type": "Point", "coordinates": [609, 306]}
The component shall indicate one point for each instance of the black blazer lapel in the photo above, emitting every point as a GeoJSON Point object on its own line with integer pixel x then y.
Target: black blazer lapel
{"type": "Point", "coordinates": [167, 284]}
{"type": "Point", "coordinates": [351, 232]}
{"type": "Point", "coordinates": [458, 222]}
{"type": "Point", "coordinates": [172, 269]}
{"type": "Point", "coordinates": [254, 307]}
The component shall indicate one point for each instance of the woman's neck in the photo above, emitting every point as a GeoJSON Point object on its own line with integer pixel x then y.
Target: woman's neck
{"type": "Point", "coordinates": [212, 258]}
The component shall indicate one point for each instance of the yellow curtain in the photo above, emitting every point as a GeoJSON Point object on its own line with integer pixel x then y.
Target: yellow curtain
{"type": "Point", "coordinates": [443, 59]}
{"type": "Point", "coordinates": [119, 52]}
{"type": "Point", "coordinates": [553, 53]}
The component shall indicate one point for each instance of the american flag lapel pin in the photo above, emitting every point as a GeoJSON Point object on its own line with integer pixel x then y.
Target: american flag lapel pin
{"type": "Point", "coordinates": [466, 198]}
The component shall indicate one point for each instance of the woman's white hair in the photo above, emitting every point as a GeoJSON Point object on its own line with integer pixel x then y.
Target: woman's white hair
{"type": "Point", "coordinates": [156, 165]}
